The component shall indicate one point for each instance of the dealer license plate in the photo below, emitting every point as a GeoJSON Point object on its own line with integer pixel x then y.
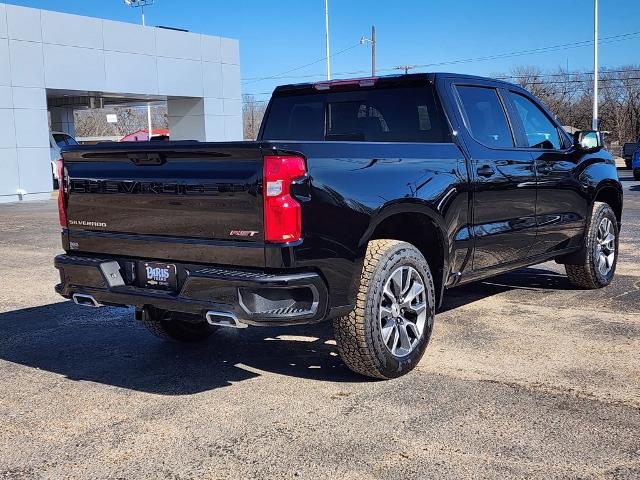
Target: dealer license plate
{"type": "Point", "coordinates": [158, 275]}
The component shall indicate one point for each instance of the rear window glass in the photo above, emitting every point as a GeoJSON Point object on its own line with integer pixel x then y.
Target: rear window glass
{"type": "Point", "coordinates": [60, 140]}
{"type": "Point", "coordinates": [380, 115]}
{"type": "Point", "coordinates": [63, 140]}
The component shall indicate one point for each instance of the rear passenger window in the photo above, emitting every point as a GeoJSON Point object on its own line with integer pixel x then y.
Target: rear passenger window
{"type": "Point", "coordinates": [540, 131]}
{"type": "Point", "coordinates": [485, 116]}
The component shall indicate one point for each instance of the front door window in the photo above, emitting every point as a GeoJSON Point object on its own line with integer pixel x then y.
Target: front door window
{"type": "Point", "coordinates": [540, 131]}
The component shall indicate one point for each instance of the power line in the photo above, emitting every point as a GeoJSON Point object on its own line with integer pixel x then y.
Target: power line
{"type": "Point", "coordinates": [563, 46]}
{"type": "Point", "coordinates": [502, 77]}
{"type": "Point", "coordinates": [565, 74]}
{"type": "Point", "coordinates": [515, 77]}
{"type": "Point", "coordinates": [279, 75]}
{"type": "Point", "coordinates": [605, 80]}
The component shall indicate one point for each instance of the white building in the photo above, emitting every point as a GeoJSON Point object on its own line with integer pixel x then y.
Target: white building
{"type": "Point", "coordinates": [52, 63]}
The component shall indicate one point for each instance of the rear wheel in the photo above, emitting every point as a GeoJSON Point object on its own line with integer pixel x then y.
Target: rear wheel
{"type": "Point", "coordinates": [176, 326]}
{"type": "Point", "coordinates": [636, 174]}
{"type": "Point", "coordinates": [599, 265]}
{"type": "Point", "coordinates": [388, 331]}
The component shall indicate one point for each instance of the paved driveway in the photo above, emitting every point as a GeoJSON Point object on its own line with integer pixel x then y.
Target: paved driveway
{"type": "Point", "coordinates": [525, 377]}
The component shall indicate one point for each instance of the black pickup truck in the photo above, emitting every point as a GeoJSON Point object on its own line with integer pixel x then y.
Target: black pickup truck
{"type": "Point", "coordinates": [361, 202]}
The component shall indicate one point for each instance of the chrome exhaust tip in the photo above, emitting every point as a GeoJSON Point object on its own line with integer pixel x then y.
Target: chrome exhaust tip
{"type": "Point", "coordinates": [85, 300]}
{"type": "Point", "coordinates": [224, 319]}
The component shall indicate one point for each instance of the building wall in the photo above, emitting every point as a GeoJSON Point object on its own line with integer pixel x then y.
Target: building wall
{"type": "Point", "coordinates": [42, 50]}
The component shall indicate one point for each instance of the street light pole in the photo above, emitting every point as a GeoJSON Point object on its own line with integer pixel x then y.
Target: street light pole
{"type": "Point", "coordinates": [595, 120]}
{"type": "Point", "coordinates": [149, 122]}
{"type": "Point", "coordinates": [326, 36]}
{"type": "Point", "coordinates": [142, 4]}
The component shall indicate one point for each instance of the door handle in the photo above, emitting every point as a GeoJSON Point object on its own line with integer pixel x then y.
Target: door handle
{"type": "Point", "coordinates": [486, 171]}
{"type": "Point", "coordinates": [544, 168]}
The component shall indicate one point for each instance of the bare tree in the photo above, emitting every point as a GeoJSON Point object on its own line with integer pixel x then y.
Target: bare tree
{"type": "Point", "coordinates": [569, 95]}
{"type": "Point", "coordinates": [252, 113]}
{"type": "Point", "coordinates": [93, 122]}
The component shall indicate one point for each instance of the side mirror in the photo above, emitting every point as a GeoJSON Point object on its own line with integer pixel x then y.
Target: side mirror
{"type": "Point", "coordinates": [587, 140]}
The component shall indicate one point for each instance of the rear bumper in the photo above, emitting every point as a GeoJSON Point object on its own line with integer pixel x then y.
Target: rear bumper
{"type": "Point", "coordinates": [254, 297]}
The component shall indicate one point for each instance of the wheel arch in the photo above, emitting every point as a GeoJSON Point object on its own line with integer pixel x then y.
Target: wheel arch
{"type": "Point", "coordinates": [610, 192]}
{"type": "Point", "coordinates": [427, 230]}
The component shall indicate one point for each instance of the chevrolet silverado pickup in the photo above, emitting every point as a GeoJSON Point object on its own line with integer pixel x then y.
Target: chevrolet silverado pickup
{"type": "Point", "coordinates": [361, 202]}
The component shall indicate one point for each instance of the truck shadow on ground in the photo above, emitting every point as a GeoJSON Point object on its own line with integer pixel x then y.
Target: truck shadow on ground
{"type": "Point", "coordinates": [532, 279]}
{"type": "Point", "coordinates": [107, 346]}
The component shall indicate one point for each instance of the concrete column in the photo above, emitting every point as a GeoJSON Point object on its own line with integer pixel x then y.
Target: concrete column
{"type": "Point", "coordinates": [186, 118]}
{"type": "Point", "coordinates": [62, 120]}
{"type": "Point", "coordinates": [9, 178]}
{"type": "Point", "coordinates": [204, 119]}
{"type": "Point", "coordinates": [24, 144]}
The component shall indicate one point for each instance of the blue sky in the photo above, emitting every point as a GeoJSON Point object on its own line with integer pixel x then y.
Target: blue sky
{"type": "Point", "coordinates": [280, 35]}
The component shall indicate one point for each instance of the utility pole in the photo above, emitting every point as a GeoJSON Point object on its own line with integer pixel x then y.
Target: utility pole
{"type": "Point", "coordinates": [406, 68]}
{"type": "Point", "coordinates": [142, 4]}
{"type": "Point", "coordinates": [594, 121]}
{"type": "Point", "coordinates": [373, 50]}
{"type": "Point", "coordinates": [326, 36]}
{"type": "Point", "coordinates": [372, 41]}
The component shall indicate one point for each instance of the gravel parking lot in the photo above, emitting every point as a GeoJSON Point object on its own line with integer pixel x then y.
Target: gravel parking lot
{"type": "Point", "coordinates": [524, 377]}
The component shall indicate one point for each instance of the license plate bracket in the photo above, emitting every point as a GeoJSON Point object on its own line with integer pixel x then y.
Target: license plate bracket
{"type": "Point", "coordinates": [157, 275]}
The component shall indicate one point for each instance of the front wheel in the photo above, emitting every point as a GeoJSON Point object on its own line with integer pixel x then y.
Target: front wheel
{"type": "Point", "coordinates": [599, 265]}
{"type": "Point", "coordinates": [387, 333]}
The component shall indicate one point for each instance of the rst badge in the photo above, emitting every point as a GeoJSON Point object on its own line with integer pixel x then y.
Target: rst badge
{"type": "Point", "coordinates": [243, 233]}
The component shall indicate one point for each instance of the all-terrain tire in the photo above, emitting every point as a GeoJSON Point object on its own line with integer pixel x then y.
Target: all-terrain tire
{"type": "Point", "coordinates": [174, 326]}
{"type": "Point", "coordinates": [586, 275]}
{"type": "Point", "coordinates": [636, 174]}
{"type": "Point", "coordinates": [359, 334]}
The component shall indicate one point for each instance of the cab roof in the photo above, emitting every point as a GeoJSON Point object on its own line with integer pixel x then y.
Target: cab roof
{"type": "Point", "coordinates": [386, 81]}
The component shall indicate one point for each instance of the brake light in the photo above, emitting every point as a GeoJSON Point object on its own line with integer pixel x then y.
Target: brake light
{"type": "Point", "coordinates": [282, 213]}
{"type": "Point", "coordinates": [62, 197]}
{"type": "Point", "coordinates": [354, 82]}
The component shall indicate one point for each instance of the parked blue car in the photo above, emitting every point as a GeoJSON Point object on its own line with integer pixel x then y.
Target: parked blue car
{"type": "Point", "coordinates": [635, 165]}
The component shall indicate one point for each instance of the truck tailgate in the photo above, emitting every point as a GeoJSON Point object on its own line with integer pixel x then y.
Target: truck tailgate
{"type": "Point", "coordinates": [181, 195]}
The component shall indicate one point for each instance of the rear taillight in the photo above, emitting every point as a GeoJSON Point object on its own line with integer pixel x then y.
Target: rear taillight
{"type": "Point", "coordinates": [62, 196]}
{"type": "Point", "coordinates": [282, 213]}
